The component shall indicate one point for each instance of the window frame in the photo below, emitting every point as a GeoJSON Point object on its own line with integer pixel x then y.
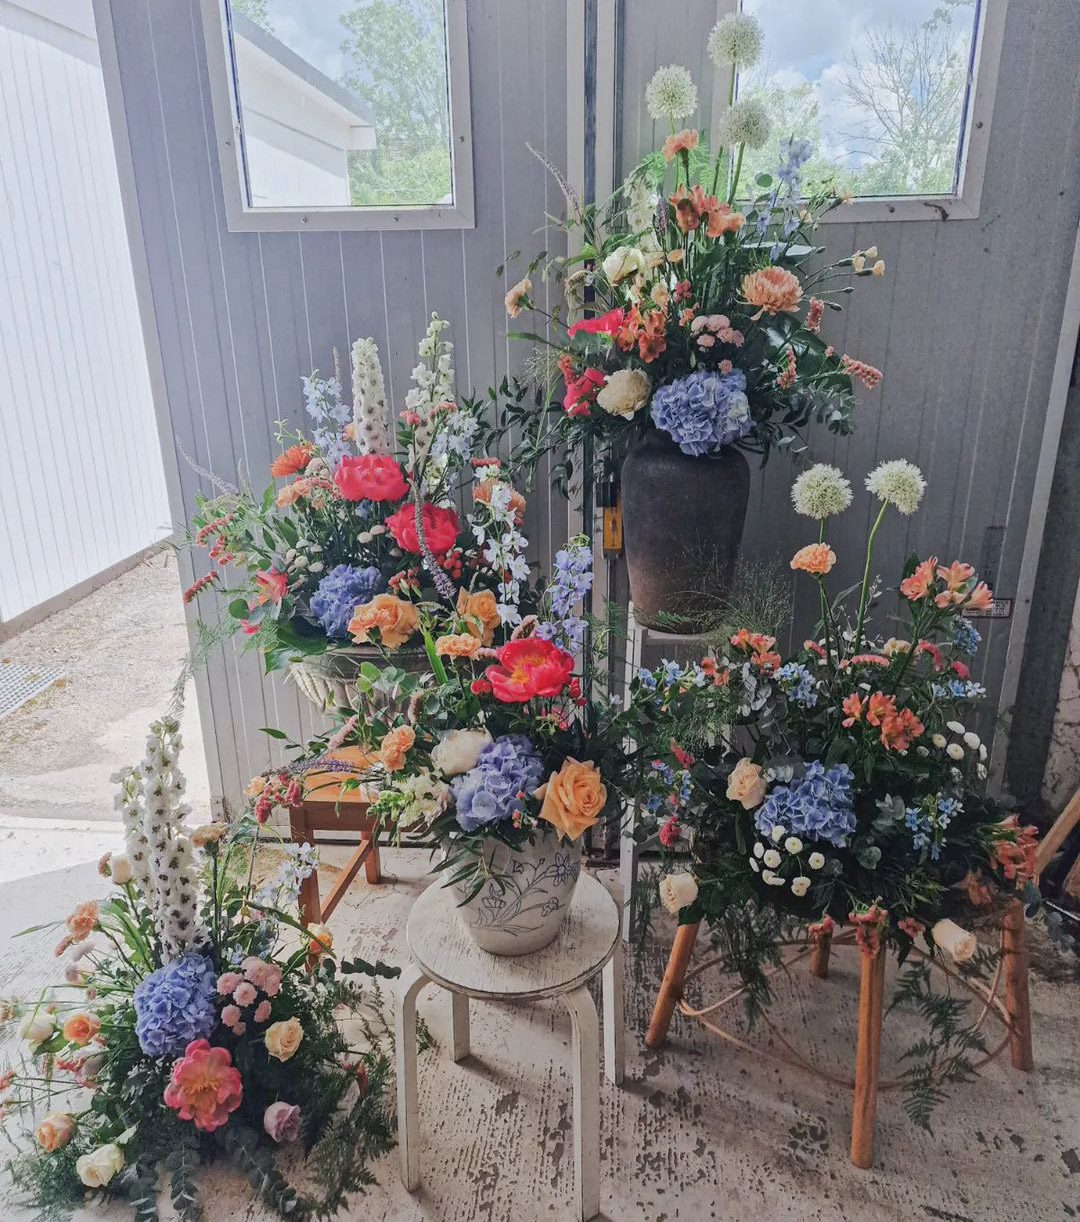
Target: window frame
{"type": "Point", "coordinates": [966, 201]}
{"type": "Point", "coordinates": [241, 217]}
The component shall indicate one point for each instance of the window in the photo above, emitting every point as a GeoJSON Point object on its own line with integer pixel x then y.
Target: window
{"type": "Point", "coordinates": [342, 114]}
{"type": "Point", "coordinates": [887, 91]}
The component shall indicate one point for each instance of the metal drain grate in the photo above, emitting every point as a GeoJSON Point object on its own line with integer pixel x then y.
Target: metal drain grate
{"type": "Point", "coordinates": [18, 684]}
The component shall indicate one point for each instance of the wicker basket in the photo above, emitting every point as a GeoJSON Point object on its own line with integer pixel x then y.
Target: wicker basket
{"type": "Point", "coordinates": [328, 679]}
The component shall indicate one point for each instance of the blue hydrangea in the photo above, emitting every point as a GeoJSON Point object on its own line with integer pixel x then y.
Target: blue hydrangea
{"type": "Point", "coordinates": [703, 411]}
{"type": "Point", "coordinates": [965, 636]}
{"type": "Point", "coordinates": [815, 806]}
{"type": "Point", "coordinates": [175, 1005]}
{"type": "Point", "coordinates": [340, 592]}
{"type": "Point", "coordinates": [488, 792]}
{"type": "Point", "coordinates": [798, 683]}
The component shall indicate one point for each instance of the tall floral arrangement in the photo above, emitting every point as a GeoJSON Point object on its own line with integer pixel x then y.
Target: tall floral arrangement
{"type": "Point", "coordinates": [196, 1018]}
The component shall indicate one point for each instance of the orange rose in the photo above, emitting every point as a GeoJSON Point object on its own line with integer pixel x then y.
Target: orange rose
{"type": "Point", "coordinates": [460, 646]}
{"type": "Point", "coordinates": [81, 1028]}
{"type": "Point", "coordinates": [82, 921]}
{"type": "Point", "coordinates": [480, 614]}
{"type": "Point", "coordinates": [395, 619]}
{"type": "Point", "coordinates": [746, 785]}
{"type": "Point", "coordinates": [395, 746]}
{"type": "Point", "coordinates": [573, 798]}
{"type": "Point", "coordinates": [816, 558]}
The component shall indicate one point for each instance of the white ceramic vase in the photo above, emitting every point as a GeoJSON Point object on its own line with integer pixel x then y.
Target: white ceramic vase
{"type": "Point", "coordinates": [522, 905]}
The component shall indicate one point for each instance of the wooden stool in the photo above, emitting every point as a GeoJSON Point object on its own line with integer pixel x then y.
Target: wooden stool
{"type": "Point", "coordinates": [444, 953]}
{"type": "Point", "coordinates": [1015, 1013]}
{"type": "Point", "coordinates": [329, 805]}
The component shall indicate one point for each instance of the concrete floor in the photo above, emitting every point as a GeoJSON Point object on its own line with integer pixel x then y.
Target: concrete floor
{"type": "Point", "coordinates": [698, 1133]}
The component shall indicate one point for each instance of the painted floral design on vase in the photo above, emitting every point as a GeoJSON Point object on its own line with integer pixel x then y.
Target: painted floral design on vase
{"type": "Point", "coordinates": [522, 905]}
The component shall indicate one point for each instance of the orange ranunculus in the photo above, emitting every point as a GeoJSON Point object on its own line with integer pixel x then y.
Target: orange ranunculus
{"type": "Point", "coordinates": [395, 619]}
{"type": "Point", "coordinates": [898, 729]}
{"type": "Point", "coordinates": [480, 612]}
{"type": "Point", "coordinates": [461, 645]}
{"type": "Point", "coordinates": [395, 746]}
{"type": "Point", "coordinates": [878, 707]}
{"type": "Point", "coordinates": [81, 1028]}
{"type": "Point", "coordinates": [572, 798]}
{"type": "Point", "coordinates": [483, 489]}
{"type": "Point", "coordinates": [918, 584]}
{"type": "Point", "coordinates": [82, 921]}
{"type": "Point", "coordinates": [528, 667]}
{"type": "Point", "coordinates": [816, 558]}
{"type": "Point", "coordinates": [774, 290]}
{"type": "Point", "coordinates": [680, 142]}
{"type": "Point", "coordinates": [294, 458]}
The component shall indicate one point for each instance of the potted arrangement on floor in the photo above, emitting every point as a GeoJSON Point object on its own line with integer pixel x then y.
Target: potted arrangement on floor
{"type": "Point", "coordinates": [341, 531]}
{"type": "Point", "coordinates": [701, 340]}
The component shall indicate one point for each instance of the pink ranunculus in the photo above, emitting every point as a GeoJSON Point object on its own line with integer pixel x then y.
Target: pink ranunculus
{"type": "Point", "coordinates": [282, 1121]}
{"type": "Point", "coordinates": [204, 1086]}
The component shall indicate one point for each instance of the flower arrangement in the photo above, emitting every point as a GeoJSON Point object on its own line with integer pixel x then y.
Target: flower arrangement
{"type": "Point", "coordinates": [706, 294]}
{"type": "Point", "coordinates": [197, 1017]}
{"type": "Point", "coordinates": [341, 532]}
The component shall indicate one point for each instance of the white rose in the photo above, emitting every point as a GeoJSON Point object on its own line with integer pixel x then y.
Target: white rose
{"type": "Point", "coordinates": [622, 262]}
{"type": "Point", "coordinates": [38, 1026]}
{"type": "Point", "coordinates": [98, 1167]}
{"type": "Point", "coordinates": [458, 750]}
{"type": "Point", "coordinates": [677, 890]}
{"type": "Point", "coordinates": [772, 859]}
{"type": "Point", "coordinates": [816, 860]}
{"type": "Point", "coordinates": [793, 845]}
{"type": "Point", "coordinates": [800, 885]}
{"type": "Point", "coordinates": [624, 392]}
{"type": "Point", "coordinates": [120, 868]}
{"type": "Point", "coordinates": [958, 942]}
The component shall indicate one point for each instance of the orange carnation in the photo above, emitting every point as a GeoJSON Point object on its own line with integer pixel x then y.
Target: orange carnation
{"type": "Point", "coordinates": [480, 612]}
{"type": "Point", "coordinates": [572, 798]}
{"type": "Point", "coordinates": [395, 746]}
{"type": "Point", "coordinates": [395, 619]}
{"type": "Point", "coordinates": [460, 646]}
{"type": "Point", "coordinates": [816, 558]}
{"type": "Point", "coordinates": [82, 921]}
{"type": "Point", "coordinates": [680, 142]}
{"type": "Point", "coordinates": [774, 290]}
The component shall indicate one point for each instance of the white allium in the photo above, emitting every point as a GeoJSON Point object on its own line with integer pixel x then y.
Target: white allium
{"type": "Point", "coordinates": [899, 483]}
{"type": "Point", "coordinates": [624, 392]}
{"type": "Point", "coordinates": [369, 399]}
{"type": "Point", "coordinates": [735, 39]}
{"type": "Point", "coordinates": [746, 122]}
{"type": "Point", "coordinates": [671, 93]}
{"type": "Point", "coordinates": [821, 491]}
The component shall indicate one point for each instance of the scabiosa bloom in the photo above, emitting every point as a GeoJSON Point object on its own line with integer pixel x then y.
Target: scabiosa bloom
{"type": "Point", "coordinates": [735, 39]}
{"type": "Point", "coordinates": [340, 592]}
{"type": "Point", "coordinates": [671, 93]}
{"type": "Point", "coordinates": [899, 483]}
{"type": "Point", "coordinates": [703, 411]}
{"type": "Point", "coordinates": [820, 492]}
{"type": "Point", "coordinates": [797, 683]}
{"type": "Point", "coordinates": [489, 793]}
{"type": "Point", "coordinates": [965, 636]}
{"type": "Point", "coordinates": [175, 1005]}
{"type": "Point", "coordinates": [816, 806]}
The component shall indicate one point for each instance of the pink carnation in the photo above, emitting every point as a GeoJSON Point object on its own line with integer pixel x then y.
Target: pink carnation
{"type": "Point", "coordinates": [244, 993]}
{"type": "Point", "coordinates": [227, 982]}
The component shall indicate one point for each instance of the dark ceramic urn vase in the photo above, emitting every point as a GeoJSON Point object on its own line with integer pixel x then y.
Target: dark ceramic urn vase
{"type": "Point", "coordinates": [683, 520]}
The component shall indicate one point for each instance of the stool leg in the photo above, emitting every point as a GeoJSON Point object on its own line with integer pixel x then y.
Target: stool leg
{"type": "Point", "coordinates": [671, 985]}
{"type": "Point", "coordinates": [867, 1057]}
{"type": "Point", "coordinates": [1017, 1001]}
{"type": "Point", "coordinates": [310, 908]}
{"type": "Point", "coordinates": [819, 956]}
{"type": "Point", "coordinates": [372, 863]}
{"type": "Point", "coordinates": [459, 1015]}
{"type": "Point", "coordinates": [411, 981]}
{"type": "Point", "coordinates": [586, 1068]}
{"type": "Point", "coordinates": [614, 1023]}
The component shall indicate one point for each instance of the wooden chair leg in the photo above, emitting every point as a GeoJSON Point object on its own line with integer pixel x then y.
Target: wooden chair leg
{"type": "Point", "coordinates": [819, 956]}
{"type": "Point", "coordinates": [867, 1057]}
{"type": "Point", "coordinates": [671, 985]}
{"type": "Point", "coordinates": [310, 908]}
{"type": "Point", "coordinates": [1017, 1001]}
{"type": "Point", "coordinates": [373, 864]}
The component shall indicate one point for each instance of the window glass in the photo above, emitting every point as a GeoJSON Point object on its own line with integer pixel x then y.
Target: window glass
{"type": "Point", "coordinates": [343, 103]}
{"type": "Point", "coordinates": [879, 87]}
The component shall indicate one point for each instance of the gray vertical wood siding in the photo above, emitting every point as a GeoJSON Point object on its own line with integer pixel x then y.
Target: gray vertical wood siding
{"type": "Point", "coordinates": [240, 317]}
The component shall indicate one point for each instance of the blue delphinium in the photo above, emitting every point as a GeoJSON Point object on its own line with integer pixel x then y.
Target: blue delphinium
{"type": "Point", "coordinates": [817, 805]}
{"type": "Point", "coordinates": [490, 791]}
{"type": "Point", "coordinates": [965, 636]}
{"type": "Point", "coordinates": [703, 411]}
{"type": "Point", "coordinates": [340, 592]}
{"type": "Point", "coordinates": [325, 406]}
{"type": "Point", "coordinates": [175, 1005]}
{"type": "Point", "coordinates": [797, 683]}
{"type": "Point", "coordinates": [571, 580]}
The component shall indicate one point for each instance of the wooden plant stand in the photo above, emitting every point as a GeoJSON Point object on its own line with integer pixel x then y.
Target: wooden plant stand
{"type": "Point", "coordinates": [1013, 1011]}
{"type": "Point", "coordinates": [329, 805]}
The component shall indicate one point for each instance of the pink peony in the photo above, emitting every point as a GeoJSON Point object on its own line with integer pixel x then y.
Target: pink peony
{"type": "Point", "coordinates": [204, 1086]}
{"type": "Point", "coordinates": [282, 1121]}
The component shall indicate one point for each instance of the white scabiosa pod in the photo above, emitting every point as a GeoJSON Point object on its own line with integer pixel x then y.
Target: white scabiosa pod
{"type": "Point", "coordinates": [369, 399]}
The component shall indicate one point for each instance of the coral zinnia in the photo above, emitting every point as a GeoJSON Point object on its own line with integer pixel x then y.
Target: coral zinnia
{"type": "Point", "coordinates": [529, 667]}
{"type": "Point", "coordinates": [204, 1086]}
{"type": "Point", "coordinates": [294, 458]}
{"type": "Point", "coordinates": [440, 527]}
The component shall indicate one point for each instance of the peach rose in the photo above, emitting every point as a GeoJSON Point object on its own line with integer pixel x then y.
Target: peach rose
{"type": "Point", "coordinates": [746, 785]}
{"type": "Point", "coordinates": [55, 1131]}
{"type": "Point", "coordinates": [283, 1039]}
{"type": "Point", "coordinates": [462, 645]}
{"type": "Point", "coordinates": [82, 921]}
{"type": "Point", "coordinates": [572, 798]}
{"type": "Point", "coordinates": [479, 610]}
{"type": "Point", "coordinates": [395, 746]}
{"type": "Point", "coordinates": [81, 1028]}
{"type": "Point", "coordinates": [395, 619]}
{"type": "Point", "coordinates": [816, 558]}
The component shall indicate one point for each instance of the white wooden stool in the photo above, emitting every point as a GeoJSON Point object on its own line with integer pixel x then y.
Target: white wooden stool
{"type": "Point", "coordinates": [443, 953]}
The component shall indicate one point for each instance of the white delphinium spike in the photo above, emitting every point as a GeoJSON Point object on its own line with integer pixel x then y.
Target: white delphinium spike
{"type": "Point", "coordinates": [434, 378]}
{"type": "Point", "coordinates": [136, 844]}
{"type": "Point", "coordinates": [369, 399]}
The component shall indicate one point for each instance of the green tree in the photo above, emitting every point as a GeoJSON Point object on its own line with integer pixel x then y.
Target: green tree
{"type": "Point", "coordinates": [397, 64]}
{"type": "Point", "coordinates": [254, 10]}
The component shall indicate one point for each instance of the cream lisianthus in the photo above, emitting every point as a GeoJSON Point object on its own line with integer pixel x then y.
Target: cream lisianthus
{"type": "Point", "coordinates": [678, 890]}
{"type": "Point", "coordinates": [624, 392]}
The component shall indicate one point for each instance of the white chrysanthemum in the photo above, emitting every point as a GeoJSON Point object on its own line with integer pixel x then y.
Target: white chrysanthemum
{"type": "Point", "coordinates": [898, 483]}
{"type": "Point", "coordinates": [735, 39]}
{"type": "Point", "coordinates": [821, 492]}
{"type": "Point", "coordinates": [671, 94]}
{"type": "Point", "coordinates": [746, 122]}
